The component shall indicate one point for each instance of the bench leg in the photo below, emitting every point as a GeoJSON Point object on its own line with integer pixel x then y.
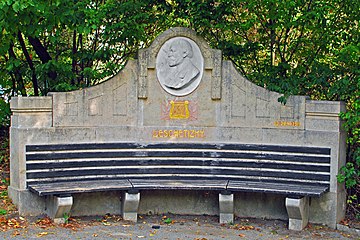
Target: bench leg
{"type": "Point", "coordinates": [298, 211]}
{"type": "Point", "coordinates": [130, 205]}
{"type": "Point", "coordinates": [58, 208]}
{"type": "Point", "coordinates": [226, 205]}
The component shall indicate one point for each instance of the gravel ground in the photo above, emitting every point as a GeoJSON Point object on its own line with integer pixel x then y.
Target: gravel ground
{"type": "Point", "coordinates": [176, 227]}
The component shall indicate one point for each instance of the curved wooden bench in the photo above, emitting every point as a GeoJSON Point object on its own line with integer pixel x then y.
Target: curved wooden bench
{"type": "Point", "coordinates": [297, 172]}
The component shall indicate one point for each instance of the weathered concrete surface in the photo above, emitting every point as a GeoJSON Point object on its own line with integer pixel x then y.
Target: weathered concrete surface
{"type": "Point", "coordinates": [134, 107]}
{"type": "Point", "coordinates": [182, 227]}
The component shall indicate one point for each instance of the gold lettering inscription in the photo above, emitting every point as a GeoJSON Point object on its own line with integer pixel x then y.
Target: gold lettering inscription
{"type": "Point", "coordinates": [286, 124]}
{"type": "Point", "coordinates": [175, 133]}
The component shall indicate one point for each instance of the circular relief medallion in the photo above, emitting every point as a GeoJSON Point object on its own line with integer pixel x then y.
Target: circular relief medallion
{"type": "Point", "coordinates": [179, 66]}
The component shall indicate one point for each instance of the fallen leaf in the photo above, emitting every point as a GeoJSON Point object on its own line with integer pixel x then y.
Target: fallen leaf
{"type": "Point", "coordinates": [42, 234]}
{"type": "Point", "coordinates": [242, 235]}
{"type": "Point", "coordinates": [44, 223]}
{"type": "Point", "coordinates": [246, 228]}
{"type": "Point", "coordinates": [346, 235]}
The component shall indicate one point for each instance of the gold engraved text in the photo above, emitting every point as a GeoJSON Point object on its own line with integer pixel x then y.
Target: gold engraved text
{"type": "Point", "coordinates": [286, 124]}
{"type": "Point", "coordinates": [178, 133]}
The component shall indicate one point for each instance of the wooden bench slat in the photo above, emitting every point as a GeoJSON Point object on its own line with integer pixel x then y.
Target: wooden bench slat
{"type": "Point", "coordinates": [143, 184]}
{"type": "Point", "coordinates": [179, 171]}
{"type": "Point", "coordinates": [227, 146]}
{"type": "Point", "coordinates": [284, 189]}
{"type": "Point", "coordinates": [176, 154]}
{"type": "Point", "coordinates": [183, 162]}
{"type": "Point", "coordinates": [59, 188]}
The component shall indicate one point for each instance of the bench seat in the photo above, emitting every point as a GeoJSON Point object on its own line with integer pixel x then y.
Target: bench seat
{"type": "Point", "coordinates": [65, 188]}
{"type": "Point", "coordinates": [297, 172]}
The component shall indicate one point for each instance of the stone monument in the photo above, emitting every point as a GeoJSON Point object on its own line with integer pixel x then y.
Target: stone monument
{"type": "Point", "coordinates": [179, 90]}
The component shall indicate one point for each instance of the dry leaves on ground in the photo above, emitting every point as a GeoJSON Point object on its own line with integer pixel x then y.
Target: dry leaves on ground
{"type": "Point", "coordinates": [12, 223]}
{"type": "Point", "coordinates": [73, 224]}
{"type": "Point", "coordinates": [44, 223]}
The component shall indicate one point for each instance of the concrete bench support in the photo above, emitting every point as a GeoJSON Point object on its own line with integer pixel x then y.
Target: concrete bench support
{"type": "Point", "coordinates": [130, 205]}
{"type": "Point", "coordinates": [59, 207]}
{"type": "Point", "coordinates": [298, 211]}
{"type": "Point", "coordinates": [226, 206]}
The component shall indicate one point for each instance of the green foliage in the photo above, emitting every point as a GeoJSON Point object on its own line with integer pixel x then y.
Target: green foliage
{"type": "Point", "coordinates": [3, 211]}
{"type": "Point", "coordinates": [66, 218]}
{"type": "Point", "coordinates": [78, 43]}
{"type": "Point", "coordinates": [349, 175]}
{"type": "Point", "coordinates": [3, 194]}
{"type": "Point", "coordinates": [4, 113]}
{"type": "Point", "coordinates": [352, 124]}
{"type": "Point", "coordinates": [167, 220]}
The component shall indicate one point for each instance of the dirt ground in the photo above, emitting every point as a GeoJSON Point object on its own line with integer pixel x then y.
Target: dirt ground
{"type": "Point", "coordinates": [164, 227]}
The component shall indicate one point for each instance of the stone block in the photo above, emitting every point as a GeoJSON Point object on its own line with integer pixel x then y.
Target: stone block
{"type": "Point", "coordinates": [298, 211]}
{"type": "Point", "coordinates": [226, 208]}
{"type": "Point", "coordinates": [28, 203]}
{"type": "Point", "coordinates": [58, 208]}
{"type": "Point", "coordinates": [130, 205]}
{"type": "Point", "coordinates": [31, 112]}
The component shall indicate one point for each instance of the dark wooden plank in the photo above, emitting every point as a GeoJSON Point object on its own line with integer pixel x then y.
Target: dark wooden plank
{"type": "Point", "coordinates": [180, 171]}
{"type": "Point", "coordinates": [160, 162]}
{"type": "Point", "coordinates": [143, 184]}
{"type": "Point", "coordinates": [227, 146]}
{"type": "Point", "coordinates": [148, 177]}
{"type": "Point", "coordinates": [284, 189]}
{"type": "Point", "coordinates": [81, 146]}
{"type": "Point", "coordinates": [176, 154]}
{"type": "Point", "coordinates": [60, 188]}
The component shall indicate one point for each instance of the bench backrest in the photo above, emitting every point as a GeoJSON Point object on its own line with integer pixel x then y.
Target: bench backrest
{"type": "Point", "coordinates": [245, 162]}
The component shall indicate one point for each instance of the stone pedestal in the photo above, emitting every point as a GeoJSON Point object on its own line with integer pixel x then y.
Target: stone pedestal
{"type": "Point", "coordinates": [298, 211]}
{"type": "Point", "coordinates": [226, 207]}
{"type": "Point", "coordinates": [58, 208]}
{"type": "Point", "coordinates": [130, 205]}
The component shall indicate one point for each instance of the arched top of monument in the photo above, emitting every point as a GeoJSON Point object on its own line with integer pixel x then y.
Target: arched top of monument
{"type": "Point", "coordinates": [154, 48]}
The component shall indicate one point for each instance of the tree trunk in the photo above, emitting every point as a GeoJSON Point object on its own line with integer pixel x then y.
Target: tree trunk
{"type": "Point", "coordinates": [31, 64]}
{"type": "Point", "coordinates": [17, 74]}
{"type": "Point", "coordinates": [73, 65]}
{"type": "Point", "coordinates": [42, 53]}
{"type": "Point", "coordinates": [81, 77]}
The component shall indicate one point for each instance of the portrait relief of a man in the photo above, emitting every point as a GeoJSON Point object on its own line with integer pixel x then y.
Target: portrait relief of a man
{"type": "Point", "coordinates": [182, 70]}
{"type": "Point", "coordinates": [179, 66]}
